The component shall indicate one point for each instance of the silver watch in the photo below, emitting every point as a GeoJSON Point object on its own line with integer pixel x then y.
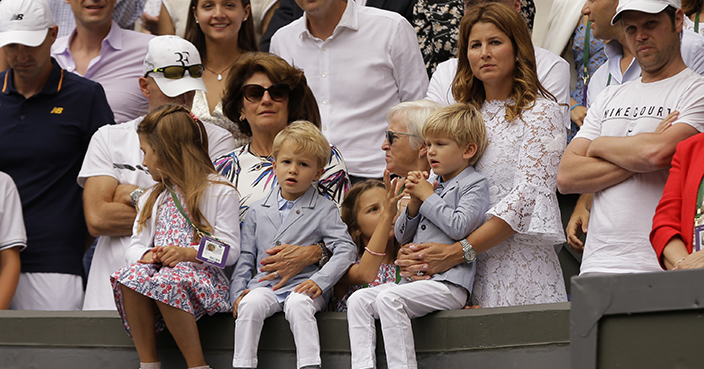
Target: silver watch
{"type": "Point", "coordinates": [324, 255]}
{"type": "Point", "coordinates": [468, 252]}
{"type": "Point", "coordinates": [134, 195]}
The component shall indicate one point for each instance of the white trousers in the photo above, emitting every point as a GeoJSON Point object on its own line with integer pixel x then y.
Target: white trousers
{"type": "Point", "coordinates": [395, 305]}
{"type": "Point", "coordinates": [48, 291]}
{"type": "Point", "coordinates": [261, 303]}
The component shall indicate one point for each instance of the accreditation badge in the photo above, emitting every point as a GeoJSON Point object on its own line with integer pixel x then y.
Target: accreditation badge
{"type": "Point", "coordinates": [212, 251]}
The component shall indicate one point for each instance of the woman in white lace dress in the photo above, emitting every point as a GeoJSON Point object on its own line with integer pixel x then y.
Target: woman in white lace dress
{"type": "Point", "coordinates": [517, 263]}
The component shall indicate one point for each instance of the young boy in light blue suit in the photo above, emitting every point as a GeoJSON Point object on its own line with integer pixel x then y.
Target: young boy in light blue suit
{"type": "Point", "coordinates": [455, 137]}
{"type": "Point", "coordinates": [293, 213]}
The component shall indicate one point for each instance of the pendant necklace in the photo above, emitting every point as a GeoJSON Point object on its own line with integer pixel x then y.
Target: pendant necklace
{"type": "Point", "coordinates": [262, 159]}
{"type": "Point", "coordinates": [219, 75]}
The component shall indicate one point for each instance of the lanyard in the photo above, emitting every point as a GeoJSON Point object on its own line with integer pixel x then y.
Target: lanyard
{"type": "Point", "coordinates": [700, 201]}
{"type": "Point", "coordinates": [696, 22]}
{"type": "Point", "coordinates": [585, 62]}
{"type": "Point", "coordinates": [180, 209]}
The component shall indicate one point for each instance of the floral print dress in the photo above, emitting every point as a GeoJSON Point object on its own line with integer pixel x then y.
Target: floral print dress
{"type": "Point", "coordinates": [254, 176]}
{"type": "Point", "coordinates": [195, 288]}
{"type": "Point", "coordinates": [388, 273]}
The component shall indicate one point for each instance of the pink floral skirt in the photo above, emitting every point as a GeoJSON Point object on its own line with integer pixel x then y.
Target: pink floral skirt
{"type": "Point", "coordinates": [198, 290]}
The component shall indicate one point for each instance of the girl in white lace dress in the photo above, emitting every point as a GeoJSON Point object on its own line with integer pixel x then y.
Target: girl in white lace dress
{"type": "Point", "coordinates": [517, 262]}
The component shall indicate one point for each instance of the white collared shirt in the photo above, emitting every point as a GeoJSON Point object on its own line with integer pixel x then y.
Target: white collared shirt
{"type": "Point", "coordinates": [371, 62]}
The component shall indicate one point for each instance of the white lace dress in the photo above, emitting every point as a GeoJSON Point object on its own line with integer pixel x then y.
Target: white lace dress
{"type": "Point", "coordinates": [521, 164]}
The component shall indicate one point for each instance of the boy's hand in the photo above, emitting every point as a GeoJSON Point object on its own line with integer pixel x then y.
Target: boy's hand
{"type": "Point", "coordinates": [310, 288]}
{"type": "Point", "coordinates": [237, 303]}
{"type": "Point", "coordinates": [172, 255]}
{"type": "Point", "coordinates": [419, 187]}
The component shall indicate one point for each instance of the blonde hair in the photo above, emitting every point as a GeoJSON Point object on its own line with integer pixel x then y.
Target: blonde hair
{"type": "Point", "coordinates": [180, 144]}
{"type": "Point", "coordinates": [469, 89]}
{"type": "Point", "coordinates": [307, 139]}
{"type": "Point", "coordinates": [461, 123]}
{"type": "Point", "coordinates": [413, 115]}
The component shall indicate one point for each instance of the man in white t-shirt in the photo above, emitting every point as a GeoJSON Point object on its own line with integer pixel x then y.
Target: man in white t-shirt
{"type": "Point", "coordinates": [553, 73]}
{"type": "Point", "coordinates": [620, 67]}
{"type": "Point", "coordinates": [113, 176]}
{"type": "Point", "coordinates": [622, 152]}
{"type": "Point", "coordinates": [13, 239]}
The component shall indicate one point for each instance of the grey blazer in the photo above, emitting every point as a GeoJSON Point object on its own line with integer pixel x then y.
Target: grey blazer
{"type": "Point", "coordinates": [313, 219]}
{"type": "Point", "coordinates": [454, 211]}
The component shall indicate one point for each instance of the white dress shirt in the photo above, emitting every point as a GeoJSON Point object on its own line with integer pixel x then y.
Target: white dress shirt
{"type": "Point", "coordinates": [371, 62]}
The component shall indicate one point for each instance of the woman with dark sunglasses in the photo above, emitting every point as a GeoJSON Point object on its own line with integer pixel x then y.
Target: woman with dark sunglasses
{"type": "Point", "coordinates": [222, 31]}
{"type": "Point", "coordinates": [263, 95]}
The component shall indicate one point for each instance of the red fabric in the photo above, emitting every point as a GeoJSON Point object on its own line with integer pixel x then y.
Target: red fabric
{"type": "Point", "coordinates": [674, 215]}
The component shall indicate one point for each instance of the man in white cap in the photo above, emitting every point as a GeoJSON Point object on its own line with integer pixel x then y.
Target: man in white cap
{"type": "Point", "coordinates": [113, 176]}
{"type": "Point", "coordinates": [619, 68]}
{"type": "Point", "coordinates": [49, 116]}
{"type": "Point", "coordinates": [622, 152]}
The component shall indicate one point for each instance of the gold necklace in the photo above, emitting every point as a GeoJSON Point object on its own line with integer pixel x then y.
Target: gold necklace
{"type": "Point", "coordinates": [220, 74]}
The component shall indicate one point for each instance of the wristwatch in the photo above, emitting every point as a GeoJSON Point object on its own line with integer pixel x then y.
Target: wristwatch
{"type": "Point", "coordinates": [324, 255]}
{"type": "Point", "coordinates": [134, 195]}
{"type": "Point", "coordinates": [468, 252]}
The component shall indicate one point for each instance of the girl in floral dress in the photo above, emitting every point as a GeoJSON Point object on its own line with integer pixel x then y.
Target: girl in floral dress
{"type": "Point", "coordinates": [165, 286]}
{"type": "Point", "coordinates": [369, 210]}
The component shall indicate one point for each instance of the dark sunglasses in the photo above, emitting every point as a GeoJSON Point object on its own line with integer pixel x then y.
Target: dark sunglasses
{"type": "Point", "coordinates": [178, 71]}
{"type": "Point", "coordinates": [278, 92]}
{"type": "Point", "coordinates": [391, 136]}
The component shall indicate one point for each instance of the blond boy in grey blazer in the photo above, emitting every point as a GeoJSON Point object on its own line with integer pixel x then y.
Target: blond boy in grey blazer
{"type": "Point", "coordinates": [455, 137]}
{"type": "Point", "coordinates": [293, 213]}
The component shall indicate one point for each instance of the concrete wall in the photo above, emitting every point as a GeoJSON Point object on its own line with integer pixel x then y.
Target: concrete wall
{"type": "Point", "coordinates": [527, 337]}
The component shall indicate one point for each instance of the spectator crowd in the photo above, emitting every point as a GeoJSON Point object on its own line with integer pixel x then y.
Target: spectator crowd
{"type": "Point", "coordinates": [171, 159]}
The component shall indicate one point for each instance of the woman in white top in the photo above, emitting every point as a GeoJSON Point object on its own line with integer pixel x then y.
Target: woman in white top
{"type": "Point", "coordinates": [517, 263]}
{"type": "Point", "coordinates": [222, 31]}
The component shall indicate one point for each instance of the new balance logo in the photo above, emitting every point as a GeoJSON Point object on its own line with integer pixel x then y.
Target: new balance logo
{"type": "Point", "coordinates": [17, 17]}
{"type": "Point", "coordinates": [56, 110]}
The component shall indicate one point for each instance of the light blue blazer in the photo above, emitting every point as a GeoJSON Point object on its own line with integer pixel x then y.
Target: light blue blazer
{"type": "Point", "coordinates": [454, 211]}
{"type": "Point", "coordinates": [312, 219]}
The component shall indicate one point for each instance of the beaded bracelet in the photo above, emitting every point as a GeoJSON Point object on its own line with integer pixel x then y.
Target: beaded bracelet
{"type": "Point", "coordinates": [677, 264]}
{"type": "Point", "coordinates": [375, 253]}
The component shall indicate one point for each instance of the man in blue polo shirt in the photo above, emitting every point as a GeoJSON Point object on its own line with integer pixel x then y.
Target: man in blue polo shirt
{"type": "Point", "coordinates": [48, 118]}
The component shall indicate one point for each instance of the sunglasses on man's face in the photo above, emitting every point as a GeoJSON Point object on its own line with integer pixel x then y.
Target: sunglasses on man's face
{"type": "Point", "coordinates": [278, 92]}
{"type": "Point", "coordinates": [178, 71]}
{"type": "Point", "coordinates": [391, 136]}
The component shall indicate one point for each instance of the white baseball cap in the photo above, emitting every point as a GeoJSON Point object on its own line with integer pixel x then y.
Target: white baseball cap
{"type": "Point", "coordinates": [645, 6]}
{"type": "Point", "coordinates": [170, 51]}
{"type": "Point", "coordinates": [24, 22]}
